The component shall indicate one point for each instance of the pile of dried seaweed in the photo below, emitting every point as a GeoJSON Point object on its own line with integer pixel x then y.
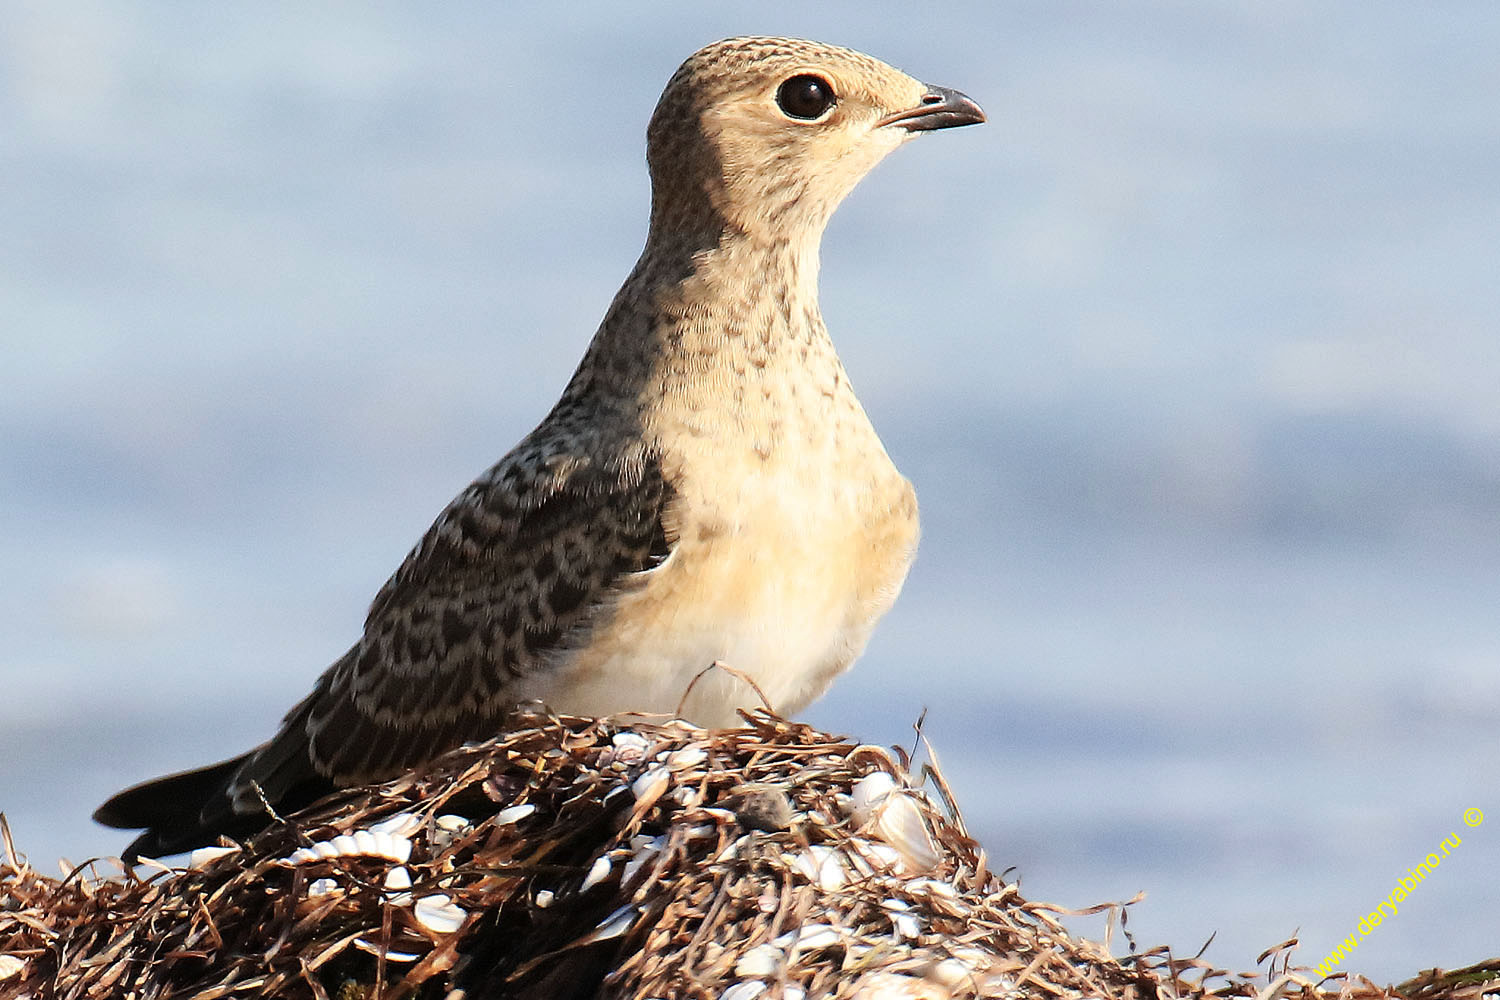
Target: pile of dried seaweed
{"type": "Point", "coordinates": [579, 858]}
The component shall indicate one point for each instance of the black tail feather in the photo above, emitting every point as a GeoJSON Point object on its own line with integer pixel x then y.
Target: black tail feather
{"type": "Point", "coordinates": [178, 811]}
{"type": "Point", "coordinates": [182, 811]}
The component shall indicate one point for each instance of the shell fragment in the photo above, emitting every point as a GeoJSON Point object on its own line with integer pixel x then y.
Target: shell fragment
{"type": "Point", "coordinates": [388, 954]}
{"type": "Point", "coordinates": [651, 784]}
{"type": "Point", "coordinates": [397, 881]}
{"type": "Point", "coordinates": [749, 989]}
{"type": "Point", "coordinates": [687, 757]}
{"type": "Point", "coordinates": [630, 748]}
{"type": "Point", "coordinates": [890, 813]}
{"type": "Point", "coordinates": [762, 960]}
{"type": "Point", "coordinates": [204, 856]}
{"type": "Point", "coordinates": [364, 844]}
{"type": "Point", "coordinates": [439, 914]}
{"type": "Point", "coordinates": [823, 866]}
{"type": "Point", "coordinates": [514, 814]}
{"type": "Point", "coordinates": [598, 872]}
{"type": "Point", "coordinates": [398, 825]}
{"type": "Point", "coordinates": [614, 925]}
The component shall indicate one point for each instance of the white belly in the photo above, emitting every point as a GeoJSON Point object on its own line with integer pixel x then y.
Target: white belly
{"type": "Point", "coordinates": [786, 592]}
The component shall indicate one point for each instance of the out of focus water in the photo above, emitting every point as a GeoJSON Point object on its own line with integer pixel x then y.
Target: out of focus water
{"type": "Point", "coordinates": [1192, 353]}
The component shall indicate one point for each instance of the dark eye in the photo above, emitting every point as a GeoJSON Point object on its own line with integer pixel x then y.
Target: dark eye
{"type": "Point", "coordinates": [806, 97]}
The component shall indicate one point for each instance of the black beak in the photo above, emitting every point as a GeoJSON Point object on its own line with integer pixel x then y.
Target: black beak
{"type": "Point", "coordinates": [940, 108]}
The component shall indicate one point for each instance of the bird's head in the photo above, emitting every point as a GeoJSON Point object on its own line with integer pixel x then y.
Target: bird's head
{"type": "Point", "coordinates": [765, 136]}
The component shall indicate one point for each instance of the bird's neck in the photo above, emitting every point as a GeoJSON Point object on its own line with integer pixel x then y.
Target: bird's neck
{"type": "Point", "coordinates": [736, 301]}
{"type": "Point", "coordinates": [723, 347]}
{"type": "Point", "coordinates": [728, 332]}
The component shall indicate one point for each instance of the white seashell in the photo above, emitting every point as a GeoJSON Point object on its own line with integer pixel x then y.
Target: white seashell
{"type": "Point", "coordinates": [823, 866]}
{"type": "Point", "coordinates": [390, 956]}
{"type": "Point", "coordinates": [645, 849]}
{"type": "Point", "coordinates": [651, 784]}
{"type": "Point", "coordinates": [357, 845]}
{"type": "Point", "coordinates": [902, 921]}
{"type": "Point", "coordinates": [10, 967]}
{"type": "Point", "coordinates": [614, 925]}
{"type": "Point", "coordinates": [398, 825]}
{"type": "Point", "coordinates": [630, 748]}
{"type": "Point", "coordinates": [893, 815]}
{"type": "Point", "coordinates": [868, 793]}
{"type": "Point", "coordinates": [372, 845]}
{"type": "Point", "coordinates": [882, 857]}
{"type": "Point", "coordinates": [439, 914]}
{"type": "Point", "coordinates": [689, 756]}
{"type": "Point", "coordinates": [747, 990]}
{"type": "Point", "coordinates": [396, 880]}
{"type": "Point", "coordinates": [762, 960]}
{"type": "Point", "coordinates": [322, 887]}
{"type": "Point", "coordinates": [544, 898]}
{"type": "Point", "coordinates": [854, 855]}
{"type": "Point", "coordinates": [895, 986]}
{"type": "Point", "coordinates": [875, 750]}
{"type": "Point", "coordinates": [634, 865]}
{"type": "Point", "coordinates": [345, 845]}
{"type": "Point", "coordinates": [951, 972]}
{"type": "Point", "coordinates": [324, 850]}
{"type": "Point", "coordinates": [598, 872]}
{"type": "Point", "coordinates": [810, 937]}
{"type": "Point", "coordinates": [204, 856]}
{"type": "Point", "coordinates": [998, 985]}
{"type": "Point", "coordinates": [514, 814]}
{"type": "Point", "coordinates": [816, 937]}
{"type": "Point", "coordinates": [395, 848]}
{"type": "Point", "coordinates": [733, 850]}
{"type": "Point", "coordinates": [793, 993]}
{"type": "Point", "coordinates": [448, 828]}
{"type": "Point", "coordinates": [720, 813]}
{"type": "Point", "coordinates": [932, 887]}
{"type": "Point", "coordinates": [974, 959]}
{"type": "Point", "coordinates": [899, 822]}
{"type": "Point", "coordinates": [687, 797]}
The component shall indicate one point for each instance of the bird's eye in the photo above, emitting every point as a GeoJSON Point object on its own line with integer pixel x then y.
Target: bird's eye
{"type": "Point", "coordinates": [805, 97]}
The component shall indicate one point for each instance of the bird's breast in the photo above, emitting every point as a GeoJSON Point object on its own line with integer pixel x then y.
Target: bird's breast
{"type": "Point", "coordinates": [790, 544]}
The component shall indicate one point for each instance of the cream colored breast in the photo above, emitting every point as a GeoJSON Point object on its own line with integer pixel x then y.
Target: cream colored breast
{"type": "Point", "coordinates": [783, 564]}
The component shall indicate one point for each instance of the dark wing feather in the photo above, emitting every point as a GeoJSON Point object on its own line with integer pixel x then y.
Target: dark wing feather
{"type": "Point", "coordinates": [518, 568]}
{"type": "Point", "coordinates": [521, 565]}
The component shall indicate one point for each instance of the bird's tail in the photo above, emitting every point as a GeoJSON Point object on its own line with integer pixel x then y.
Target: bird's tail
{"type": "Point", "coordinates": [179, 812]}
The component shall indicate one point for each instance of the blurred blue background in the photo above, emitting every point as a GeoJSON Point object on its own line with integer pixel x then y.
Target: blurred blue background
{"type": "Point", "coordinates": [1192, 353]}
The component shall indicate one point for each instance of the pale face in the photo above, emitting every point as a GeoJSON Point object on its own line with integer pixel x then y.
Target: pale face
{"type": "Point", "coordinates": [788, 128]}
{"type": "Point", "coordinates": [799, 136]}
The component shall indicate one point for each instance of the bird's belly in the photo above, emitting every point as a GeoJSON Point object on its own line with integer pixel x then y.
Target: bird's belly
{"type": "Point", "coordinates": [783, 591]}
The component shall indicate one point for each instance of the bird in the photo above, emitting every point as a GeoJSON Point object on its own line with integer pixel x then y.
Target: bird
{"type": "Point", "coordinates": [708, 488]}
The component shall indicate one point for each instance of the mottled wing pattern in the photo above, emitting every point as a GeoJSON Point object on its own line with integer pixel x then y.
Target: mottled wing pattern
{"type": "Point", "coordinates": [516, 570]}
